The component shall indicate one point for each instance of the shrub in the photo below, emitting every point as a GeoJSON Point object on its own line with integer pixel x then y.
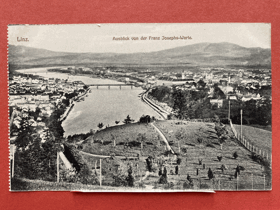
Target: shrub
{"type": "Point", "coordinates": [210, 174]}
{"type": "Point", "coordinates": [187, 185]}
{"type": "Point", "coordinates": [168, 186]}
{"type": "Point", "coordinates": [119, 180]}
{"type": "Point", "coordinates": [199, 140]}
{"type": "Point", "coordinates": [259, 159]}
{"type": "Point", "coordinates": [204, 186]}
{"type": "Point", "coordinates": [84, 175]}
{"type": "Point", "coordinates": [145, 119]}
{"type": "Point", "coordinates": [141, 185]}
{"type": "Point", "coordinates": [184, 150]}
{"type": "Point", "coordinates": [235, 155]}
{"type": "Point", "coordinates": [210, 145]}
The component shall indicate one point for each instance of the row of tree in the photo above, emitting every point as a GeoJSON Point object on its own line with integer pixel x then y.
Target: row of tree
{"type": "Point", "coordinates": [36, 152]}
{"type": "Point", "coordinates": [195, 104]}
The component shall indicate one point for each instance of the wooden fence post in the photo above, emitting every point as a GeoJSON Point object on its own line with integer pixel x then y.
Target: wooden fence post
{"type": "Point", "coordinates": [264, 181]}
{"type": "Point", "coordinates": [237, 182]}
{"type": "Point", "coordinates": [267, 155]}
{"type": "Point", "coordinates": [57, 166]}
{"type": "Point", "coordinates": [100, 172]}
{"type": "Point", "coordinates": [13, 166]}
{"type": "Point", "coordinates": [95, 167]}
{"type": "Point", "coordinates": [252, 182]}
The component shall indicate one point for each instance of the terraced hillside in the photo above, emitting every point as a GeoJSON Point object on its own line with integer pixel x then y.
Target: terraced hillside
{"type": "Point", "coordinates": [253, 175]}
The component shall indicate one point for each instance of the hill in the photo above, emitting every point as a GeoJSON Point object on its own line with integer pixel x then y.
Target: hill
{"type": "Point", "coordinates": [218, 54]}
{"type": "Point", "coordinates": [191, 151]}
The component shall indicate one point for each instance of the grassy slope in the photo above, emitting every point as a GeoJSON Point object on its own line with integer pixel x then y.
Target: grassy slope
{"type": "Point", "coordinates": [39, 185]}
{"type": "Point", "coordinates": [121, 133]}
{"type": "Point", "coordinates": [259, 137]}
{"type": "Point", "coordinates": [208, 151]}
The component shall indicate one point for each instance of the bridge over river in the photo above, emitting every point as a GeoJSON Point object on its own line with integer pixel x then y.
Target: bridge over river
{"type": "Point", "coordinates": [110, 85]}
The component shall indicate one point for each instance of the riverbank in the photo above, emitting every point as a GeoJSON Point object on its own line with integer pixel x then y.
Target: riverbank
{"type": "Point", "coordinates": [104, 105]}
{"type": "Point", "coordinates": [162, 112]}
{"type": "Point", "coordinates": [68, 110]}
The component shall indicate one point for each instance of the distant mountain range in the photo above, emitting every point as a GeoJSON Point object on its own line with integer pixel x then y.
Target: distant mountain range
{"type": "Point", "coordinates": [202, 54]}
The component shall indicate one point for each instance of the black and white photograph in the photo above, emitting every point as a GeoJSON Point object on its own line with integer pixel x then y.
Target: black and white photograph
{"type": "Point", "coordinates": [178, 107]}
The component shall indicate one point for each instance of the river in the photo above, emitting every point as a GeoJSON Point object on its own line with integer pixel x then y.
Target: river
{"type": "Point", "coordinates": [102, 105]}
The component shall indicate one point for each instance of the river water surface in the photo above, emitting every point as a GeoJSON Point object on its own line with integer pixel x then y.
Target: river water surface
{"type": "Point", "coordinates": [102, 105]}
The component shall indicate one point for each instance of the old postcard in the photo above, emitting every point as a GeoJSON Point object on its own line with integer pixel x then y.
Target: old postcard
{"type": "Point", "coordinates": [140, 107]}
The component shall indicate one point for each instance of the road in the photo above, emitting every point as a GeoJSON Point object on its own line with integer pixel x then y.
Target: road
{"type": "Point", "coordinates": [164, 138]}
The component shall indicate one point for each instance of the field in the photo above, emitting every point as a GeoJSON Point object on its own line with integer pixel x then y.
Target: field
{"type": "Point", "coordinates": [259, 137]}
{"type": "Point", "coordinates": [207, 148]}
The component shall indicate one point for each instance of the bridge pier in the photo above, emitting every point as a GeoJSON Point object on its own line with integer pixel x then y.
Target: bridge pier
{"type": "Point", "coordinates": [96, 86]}
{"type": "Point", "coordinates": [108, 86]}
{"type": "Point", "coordinates": [131, 86]}
{"type": "Point", "coordinates": [120, 87]}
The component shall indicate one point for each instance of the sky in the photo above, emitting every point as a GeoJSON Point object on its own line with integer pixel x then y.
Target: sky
{"type": "Point", "coordinates": [98, 38]}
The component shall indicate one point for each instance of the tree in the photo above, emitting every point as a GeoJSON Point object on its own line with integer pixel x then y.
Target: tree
{"type": "Point", "coordinates": [210, 174]}
{"type": "Point", "coordinates": [201, 84]}
{"type": "Point", "coordinates": [114, 139]}
{"type": "Point", "coordinates": [126, 144]}
{"type": "Point", "coordinates": [100, 125]}
{"type": "Point", "coordinates": [142, 138]}
{"type": "Point", "coordinates": [54, 124]}
{"type": "Point", "coordinates": [235, 155]}
{"type": "Point", "coordinates": [222, 140]}
{"type": "Point", "coordinates": [199, 140]}
{"type": "Point", "coordinates": [218, 93]}
{"type": "Point", "coordinates": [117, 122]}
{"type": "Point", "coordinates": [250, 107]}
{"type": "Point", "coordinates": [163, 178]}
{"type": "Point", "coordinates": [128, 120]}
{"type": "Point", "coordinates": [179, 135]}
{"type": "Point", "coordinates": [158, 140]}
{"type": "Point", "coordinates": [180, 103]}
{"type": "Point", "coordinates": [160, 93]}
{"type": "Point", "coordinates": [130, 178]}
{"type": "Point", "coordinates": [145, 119]}
{"type": "Point", "coordinates": [25, 133]}
{"type": "Point", "coordinates": [264, 112]}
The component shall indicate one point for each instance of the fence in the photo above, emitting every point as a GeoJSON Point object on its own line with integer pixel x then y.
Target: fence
{"type": "Point", "coordinates": [240, 183]}
{"type": "Point", "coordinates": [210, 120]}
{"type": "Point", "coordinates": [250, 146]}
